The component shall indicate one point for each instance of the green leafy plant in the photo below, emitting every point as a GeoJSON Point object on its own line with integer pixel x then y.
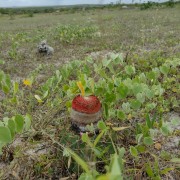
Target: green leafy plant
{"type": "Point", "coordinates": [70, 33]}
{"type": "Point", "coordinates": [5, 82]}
{"type": "Point", "coordinates": [9, 127]}
{"type": "Point", "coordinates": [126, 91]}
{"type": "Point", "coordinates": [13, 53]}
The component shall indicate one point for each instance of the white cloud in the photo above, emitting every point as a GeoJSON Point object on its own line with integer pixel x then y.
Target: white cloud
{"type": "Point", "coordinates": [11, 3]}
{"type": "Point", "coordinates": [5, 3]}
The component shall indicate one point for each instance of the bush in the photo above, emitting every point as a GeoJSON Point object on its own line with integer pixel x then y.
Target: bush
{"type": "Point", "coordinates": [146, 5]}
{"type": "Point", "coordinates": [170, 3]}
{"type": "Point", "coordinates": [30, 14]}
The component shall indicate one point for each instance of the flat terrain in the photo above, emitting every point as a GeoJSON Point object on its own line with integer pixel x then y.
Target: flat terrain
{"type": "Point", "coordinates": [133, 31]}
{"type": "Point", "coordinates": [146, 39]}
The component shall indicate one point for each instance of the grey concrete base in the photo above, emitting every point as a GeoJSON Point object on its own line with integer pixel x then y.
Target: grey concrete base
{"type": "Point", "coordinates": [83, 119]}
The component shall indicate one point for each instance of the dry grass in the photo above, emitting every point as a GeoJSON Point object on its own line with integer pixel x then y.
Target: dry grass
{"type": "Point", "coordinates": [134, 31]}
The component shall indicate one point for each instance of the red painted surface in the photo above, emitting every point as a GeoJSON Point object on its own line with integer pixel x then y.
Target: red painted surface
{"type": "Point", "coordinates": [89, 105]}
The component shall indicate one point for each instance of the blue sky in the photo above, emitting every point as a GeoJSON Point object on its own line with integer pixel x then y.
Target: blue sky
{"type": "Point", "coordinates": [11, 3]}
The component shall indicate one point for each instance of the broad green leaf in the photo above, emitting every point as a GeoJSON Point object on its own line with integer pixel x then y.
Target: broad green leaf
{"type": "Point", "coordinates": [141, 148]}
{"type": "Point", "coordinates": [117, 58]}
{"type": "Point", "coordinates": [111, 68]}
{"type": "Point", "coordinates": [128, 83]}
{"type": "Point", "coordinates": [156, 71]}
{"type": "Point", "coordinates": [133, 151]}
{"type": "Point", "coordinates": [142, 77]}
{"type": "Point", "coordinates": [130, 70]}
{"type": "Point", "coordinates": [101, 125]}
{"type": "Point", "coordinates": [112, 113]}
{"type": "Point", "coordinates": [5, 89]}
{"type": "Point", "coordinates": [126, 107]}
{"type": "Point", "coordinates": [106, 62]}
{"type": "Point", "coordinates": [110, 86]}
{"type": "Point", "coordinates": [137, 88]}
{"type": "Point", "coordinates": [121, 115]}
{"type": "Point", "coordinates": [148, 141]}
{"type": "Point", "coordinates": [96, 69]}
{"type": "Point", "coordinates": [99, 91]}
{"type": "Point", "coordinates": [89, 59]}
{"type": "Point", "coordinates": [165, 131]}
{"type": "Point", "coordinates": [110, 97]}
{"type": "Point", "coordinates": [149, 93]}
{"type": "Point", "coordinates": [164, 69]}
{"type": "Point", "coordinates": [85, 138]}
{"type": "Point", "coordinates": [140, 97]}
{"type": "Point", "coordinates": [8, 81]}
{"type": "Point", "coordinates": [122, 91]}
{"type": "Point", "coordinates": [19, 121]}
{"type": "Point", "coordinates": [158, 90]}
{"type": "Point", "coordinates": [151, 76]}
{"type": "Point", "coordinates": [150, 106]}
{"type": "Point", "coordinates": [69, 104]}
{"type": "Point", "coordinates": [5, 135]}
{"type": "Point", "coordinates": [12, 127]}
{"type": "Point", "coordinates": [135, 104]}
{"type": "Point", "coordinates": [102, 73]}
{"type": "Point", "coordinates": [65, 87]}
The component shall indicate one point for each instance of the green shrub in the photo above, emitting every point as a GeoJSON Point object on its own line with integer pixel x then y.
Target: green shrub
{"type": "Point", "coordinates": [170, 3]}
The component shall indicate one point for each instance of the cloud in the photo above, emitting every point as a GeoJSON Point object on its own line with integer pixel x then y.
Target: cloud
{"type": "Point", "coordinates": [10, 3]}
{"type": "Point", "coordinates": [19, 3]}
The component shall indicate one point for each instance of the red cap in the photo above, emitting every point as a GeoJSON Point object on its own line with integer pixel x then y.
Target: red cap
{"type": "Point", "coordinates": [89, 104]}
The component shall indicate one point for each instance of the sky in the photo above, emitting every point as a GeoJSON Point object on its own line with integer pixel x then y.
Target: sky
{"type": "Point", "coordinates": [19, 3]}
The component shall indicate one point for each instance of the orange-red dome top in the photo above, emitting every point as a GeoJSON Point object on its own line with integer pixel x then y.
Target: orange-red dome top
{"type": "Point", "coordinates": [89, 104]}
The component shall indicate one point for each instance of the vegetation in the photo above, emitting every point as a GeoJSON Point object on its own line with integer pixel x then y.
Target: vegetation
{"type": "Point", "coordinates": [132, 67]}
{"type": "Point", "coordinates": [80, 8]}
